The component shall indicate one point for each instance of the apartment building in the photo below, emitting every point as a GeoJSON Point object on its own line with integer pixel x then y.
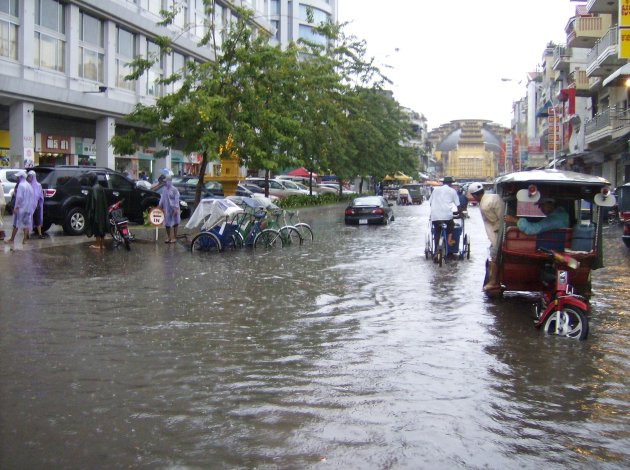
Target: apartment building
{"type": "Point", "coordinates": [576, 114]}
{"type": "Point", "coordinates": [63, 63]}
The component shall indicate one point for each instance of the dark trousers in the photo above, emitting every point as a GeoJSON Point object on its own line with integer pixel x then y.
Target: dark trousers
{"type": "Point", "coordinates": [437, 230]}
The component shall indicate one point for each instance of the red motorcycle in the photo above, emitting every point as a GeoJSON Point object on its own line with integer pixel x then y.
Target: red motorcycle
{"type": "Point", "coordinates": [118, 225]}
{"type": "Point", "coordinates": [560, 311]}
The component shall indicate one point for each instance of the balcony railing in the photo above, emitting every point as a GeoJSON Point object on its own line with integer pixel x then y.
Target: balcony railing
{"type": "Point", "coordinates": [580, 81]}
{"type": "Point", "coordinates": [598, 122]}
{"type": "Point", "coordinates": [603, 46]}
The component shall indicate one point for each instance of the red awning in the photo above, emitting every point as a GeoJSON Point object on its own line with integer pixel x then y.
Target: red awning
{"type": "Point", "coordinates": [302, 172]}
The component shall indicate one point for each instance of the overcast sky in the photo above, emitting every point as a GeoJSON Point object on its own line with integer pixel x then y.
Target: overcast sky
{"type": "Point", "coordinates": [449, 57]}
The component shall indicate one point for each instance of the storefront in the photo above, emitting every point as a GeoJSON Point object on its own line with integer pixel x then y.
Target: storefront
{"type": "Point", "coordinates": [53, 150]}
{"type": "Point", "coordinates": [85, 150]}
{"type": "Point", "coordinates": [5, 146]}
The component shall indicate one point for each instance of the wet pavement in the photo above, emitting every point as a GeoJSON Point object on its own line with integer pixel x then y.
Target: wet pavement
{"type": "Point", "coordinates": [353, 352]}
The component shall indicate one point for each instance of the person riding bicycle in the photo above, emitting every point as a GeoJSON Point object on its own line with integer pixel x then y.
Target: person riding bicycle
{"type": "Point", "coordinates": [444, 201]}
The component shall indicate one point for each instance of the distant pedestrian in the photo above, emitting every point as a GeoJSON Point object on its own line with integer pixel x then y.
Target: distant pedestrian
{"type": "Point", "coordinates": [22, 208]}
{"type": "Point", "coordinates": [169, 203]}
{"type": "Point", "coordinates": [96, 211]}
{"type": "Point", "coordinates": [38, 203]}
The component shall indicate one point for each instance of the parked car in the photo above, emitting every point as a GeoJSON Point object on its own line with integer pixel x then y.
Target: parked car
{"type": "Point", "coordinates": [188, 188]}
{"type": "Point", "coordinates": [8, 176]}
{"type": "Point", "coordinates": [66, 189]}
{"type": "Point", "coordinates": [369, 210]}
{"type": "Point", "coordinates": [276, 187]}
{"type": "Point", "coordinates": [252, 190]}
{"type": "Point", "coordinates": [415, 191]}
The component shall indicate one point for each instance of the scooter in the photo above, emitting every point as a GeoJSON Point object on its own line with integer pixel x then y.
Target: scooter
{"type": "Point", "coordinates": [561, 311]}
{"type": "Point", "coordinates": [118, 225]}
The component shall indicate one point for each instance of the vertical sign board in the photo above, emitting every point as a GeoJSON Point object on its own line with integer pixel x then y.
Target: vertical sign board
{"type": "Point", "coordinates": [624, 29]}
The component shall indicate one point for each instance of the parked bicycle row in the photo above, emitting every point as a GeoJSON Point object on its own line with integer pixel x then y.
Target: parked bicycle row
{"type": "Point", "coordinates": [236, 222]}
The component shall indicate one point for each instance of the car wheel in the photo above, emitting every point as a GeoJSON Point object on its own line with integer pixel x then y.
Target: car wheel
{"type": "Point", "coordinates": [75, 222]}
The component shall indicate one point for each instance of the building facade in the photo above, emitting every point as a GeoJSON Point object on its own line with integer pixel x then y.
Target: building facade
{"type": "Point", "coordinates": [62, 66]}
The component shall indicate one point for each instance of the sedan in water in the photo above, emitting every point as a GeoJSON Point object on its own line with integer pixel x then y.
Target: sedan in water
{"type": "Point", "coordinates": [369, 210]}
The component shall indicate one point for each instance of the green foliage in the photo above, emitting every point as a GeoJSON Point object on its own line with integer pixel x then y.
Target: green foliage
{"type": "Point", "coordinates": [303, 200]}
{"type": "Point", "coordinates": [315, 105]}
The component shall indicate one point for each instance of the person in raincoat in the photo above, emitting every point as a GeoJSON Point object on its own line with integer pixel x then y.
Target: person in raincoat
{"type": "Point", "coordinates": [2, 206]}
{"type": "Point", "coordinates": [38, 203]}
{"type": "Point", "coordinates": [96, 211]}
{"type": "Point", "coordinates": [23, 208]}
{"type": "Point", "coordinates": [169, 203]}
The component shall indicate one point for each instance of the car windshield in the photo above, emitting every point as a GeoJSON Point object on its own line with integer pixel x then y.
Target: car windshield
{"type": "Point", "coordinates": [367, 201]}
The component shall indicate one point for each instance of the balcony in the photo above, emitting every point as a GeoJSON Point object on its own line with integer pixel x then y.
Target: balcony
{"type": "Point", "coordinates": [584, 31]}
{"type": "Point", "coordinates": [602, 59]}
{"type": "Point", "coordinates": [561, 58]}
{"type": "Point", "coordinates": [580, 81]}
{"type": "Point", "coordinates": [598, 128]}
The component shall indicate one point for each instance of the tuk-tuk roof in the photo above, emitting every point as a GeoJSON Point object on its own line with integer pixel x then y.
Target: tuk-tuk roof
{"type": "Point", "coordinates": [551, 176]}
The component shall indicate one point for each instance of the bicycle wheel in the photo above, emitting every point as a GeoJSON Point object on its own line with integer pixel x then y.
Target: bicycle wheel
{"type": "Point", "coordinates": [290, 235]}
{"type": "Point", "coordinates": [268, 239]}
{"type": "Point", "coordinates": [305, 231]}
{"type": "Point", "coordinates": [205, 242]}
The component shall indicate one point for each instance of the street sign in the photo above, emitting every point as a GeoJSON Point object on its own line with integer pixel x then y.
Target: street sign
{"type": "Point", "coordinates": [156, 216]}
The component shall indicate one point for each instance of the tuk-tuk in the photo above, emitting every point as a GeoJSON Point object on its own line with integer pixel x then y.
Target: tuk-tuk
{"type": "Point", "coordinates": [530, 262]}
{"type": "Point", "coordinates": [623, 202]}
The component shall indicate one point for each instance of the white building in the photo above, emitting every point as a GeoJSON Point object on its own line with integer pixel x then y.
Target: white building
{"type": "Point", "coordinates": [62, 68]}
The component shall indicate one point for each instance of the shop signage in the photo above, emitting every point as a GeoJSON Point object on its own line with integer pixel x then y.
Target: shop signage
{"type": "Point", "coordinates": [624, 29]}
{"type": "Point", "coordinates": [55, 144]}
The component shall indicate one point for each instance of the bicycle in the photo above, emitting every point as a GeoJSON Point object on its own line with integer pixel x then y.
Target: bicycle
{"type": "Point", "coordinates": [305, 229]}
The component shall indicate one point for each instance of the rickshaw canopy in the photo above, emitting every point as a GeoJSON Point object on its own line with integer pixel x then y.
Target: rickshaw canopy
{"type": "Point", "coordinates": [210, 212]}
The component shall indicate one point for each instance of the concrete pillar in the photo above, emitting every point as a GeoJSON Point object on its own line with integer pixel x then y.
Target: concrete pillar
{"type": "Point", "coordinates": [22, 133]}
{"type": "Point", "coordinates": [105, 130]}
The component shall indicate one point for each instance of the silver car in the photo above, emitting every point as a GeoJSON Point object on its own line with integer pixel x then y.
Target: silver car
{"type": "Point", "coordinates": [8, 177]}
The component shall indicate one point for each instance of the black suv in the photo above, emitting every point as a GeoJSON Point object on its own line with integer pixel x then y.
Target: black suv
{"type": "Point", "coordinates": [65, 191]}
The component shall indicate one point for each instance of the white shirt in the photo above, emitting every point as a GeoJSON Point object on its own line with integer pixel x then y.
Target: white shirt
{"type": "Point", "coordinates": [443, 201]}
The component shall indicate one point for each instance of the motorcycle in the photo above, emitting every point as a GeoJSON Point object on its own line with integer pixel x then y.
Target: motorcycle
{"type": "Point", "coordinates": [624, 212]}
{"type": "Point", "coordinates": [118, 225]}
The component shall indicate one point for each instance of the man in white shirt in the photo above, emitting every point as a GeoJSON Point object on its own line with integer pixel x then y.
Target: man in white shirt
{"type": "Point", "coordinates": [444, 201]}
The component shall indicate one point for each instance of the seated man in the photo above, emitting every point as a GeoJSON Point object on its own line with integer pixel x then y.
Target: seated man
{"type": "Point", "coordinates": [555, 217]}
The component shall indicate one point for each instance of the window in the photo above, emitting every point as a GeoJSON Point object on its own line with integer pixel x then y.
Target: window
{"type": "Point", "coordinates": [275, 24]}
{"type": "Point", "coordinates": [50, 38]}
{"type": "Point", "coordinates": [308, 33]}
{"type": "Point", "coordinates": [91, 48]}
{"type": "Point", "coordinates": [181, 12]}
{"type": "Point", "coordinates": [219, 21]}
{"type": "Point", "coordinates": [125, 52]}
{"type": "Point", "coordinates": [9, 22]}
{"type": "Point", "coordinates": [154, 74]}
{"type": "Point", "coordinates": [319, 16]}
{"type": "Point", "coordinates": [199, 19]}
{"type": "Point", "coordinates": [275, 7]}
{"type": "Point", "coordinates": [178, 64]}
{"type": "Point", "coordinates": [154, 6]}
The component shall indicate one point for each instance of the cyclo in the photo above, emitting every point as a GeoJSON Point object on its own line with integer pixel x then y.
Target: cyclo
{"type": "Point", "coordinates": [439, 251]}
{"type": "Point", "coordinates": [555, 264]}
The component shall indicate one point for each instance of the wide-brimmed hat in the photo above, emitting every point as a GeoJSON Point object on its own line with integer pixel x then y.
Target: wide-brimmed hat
{"type": "Point", "coordinates": [448, 180]}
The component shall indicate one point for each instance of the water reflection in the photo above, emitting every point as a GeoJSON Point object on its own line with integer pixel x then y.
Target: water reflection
{"type": "Point", "coordinates": [355, 350]}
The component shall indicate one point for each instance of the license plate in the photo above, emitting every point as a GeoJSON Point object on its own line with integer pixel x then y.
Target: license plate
{"type": "Point", "coordinates": [362, 221]}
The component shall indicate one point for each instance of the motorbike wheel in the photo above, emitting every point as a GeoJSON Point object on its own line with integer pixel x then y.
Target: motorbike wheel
{"type": "Point", "coordinates": [571, 322]}
{"type": "Point", "coordinates": [205, 242]}
{"type": "Point", "coordinates": [127, 243]}
{"type": "Point", "coordinates": [115, 234]}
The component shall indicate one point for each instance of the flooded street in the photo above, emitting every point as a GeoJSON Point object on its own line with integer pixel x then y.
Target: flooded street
{"type": "Point", "coordinates": [354, 352]}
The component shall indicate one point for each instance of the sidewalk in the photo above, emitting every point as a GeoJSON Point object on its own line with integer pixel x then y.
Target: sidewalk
{"type": "Point", "coordinates": [56, 237]}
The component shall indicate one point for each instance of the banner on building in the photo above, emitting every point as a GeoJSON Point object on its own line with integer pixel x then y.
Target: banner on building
{"type": "Point", "coordinates": [624, 29]}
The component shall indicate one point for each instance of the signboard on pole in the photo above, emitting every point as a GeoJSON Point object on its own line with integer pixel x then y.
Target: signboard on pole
{"type": "Point", "coordinates": [156, 218]}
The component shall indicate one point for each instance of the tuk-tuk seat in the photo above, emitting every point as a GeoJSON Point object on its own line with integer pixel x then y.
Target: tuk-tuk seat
{"type": "Point", "coordinates": [516, 242]}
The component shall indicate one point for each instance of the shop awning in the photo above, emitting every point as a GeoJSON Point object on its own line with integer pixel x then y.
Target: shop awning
{"type": "Point", "coordinates": [624, 70]}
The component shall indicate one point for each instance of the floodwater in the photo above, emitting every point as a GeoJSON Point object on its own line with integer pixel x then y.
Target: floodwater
{"type": "Point", "coordinates": [354, 352]}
